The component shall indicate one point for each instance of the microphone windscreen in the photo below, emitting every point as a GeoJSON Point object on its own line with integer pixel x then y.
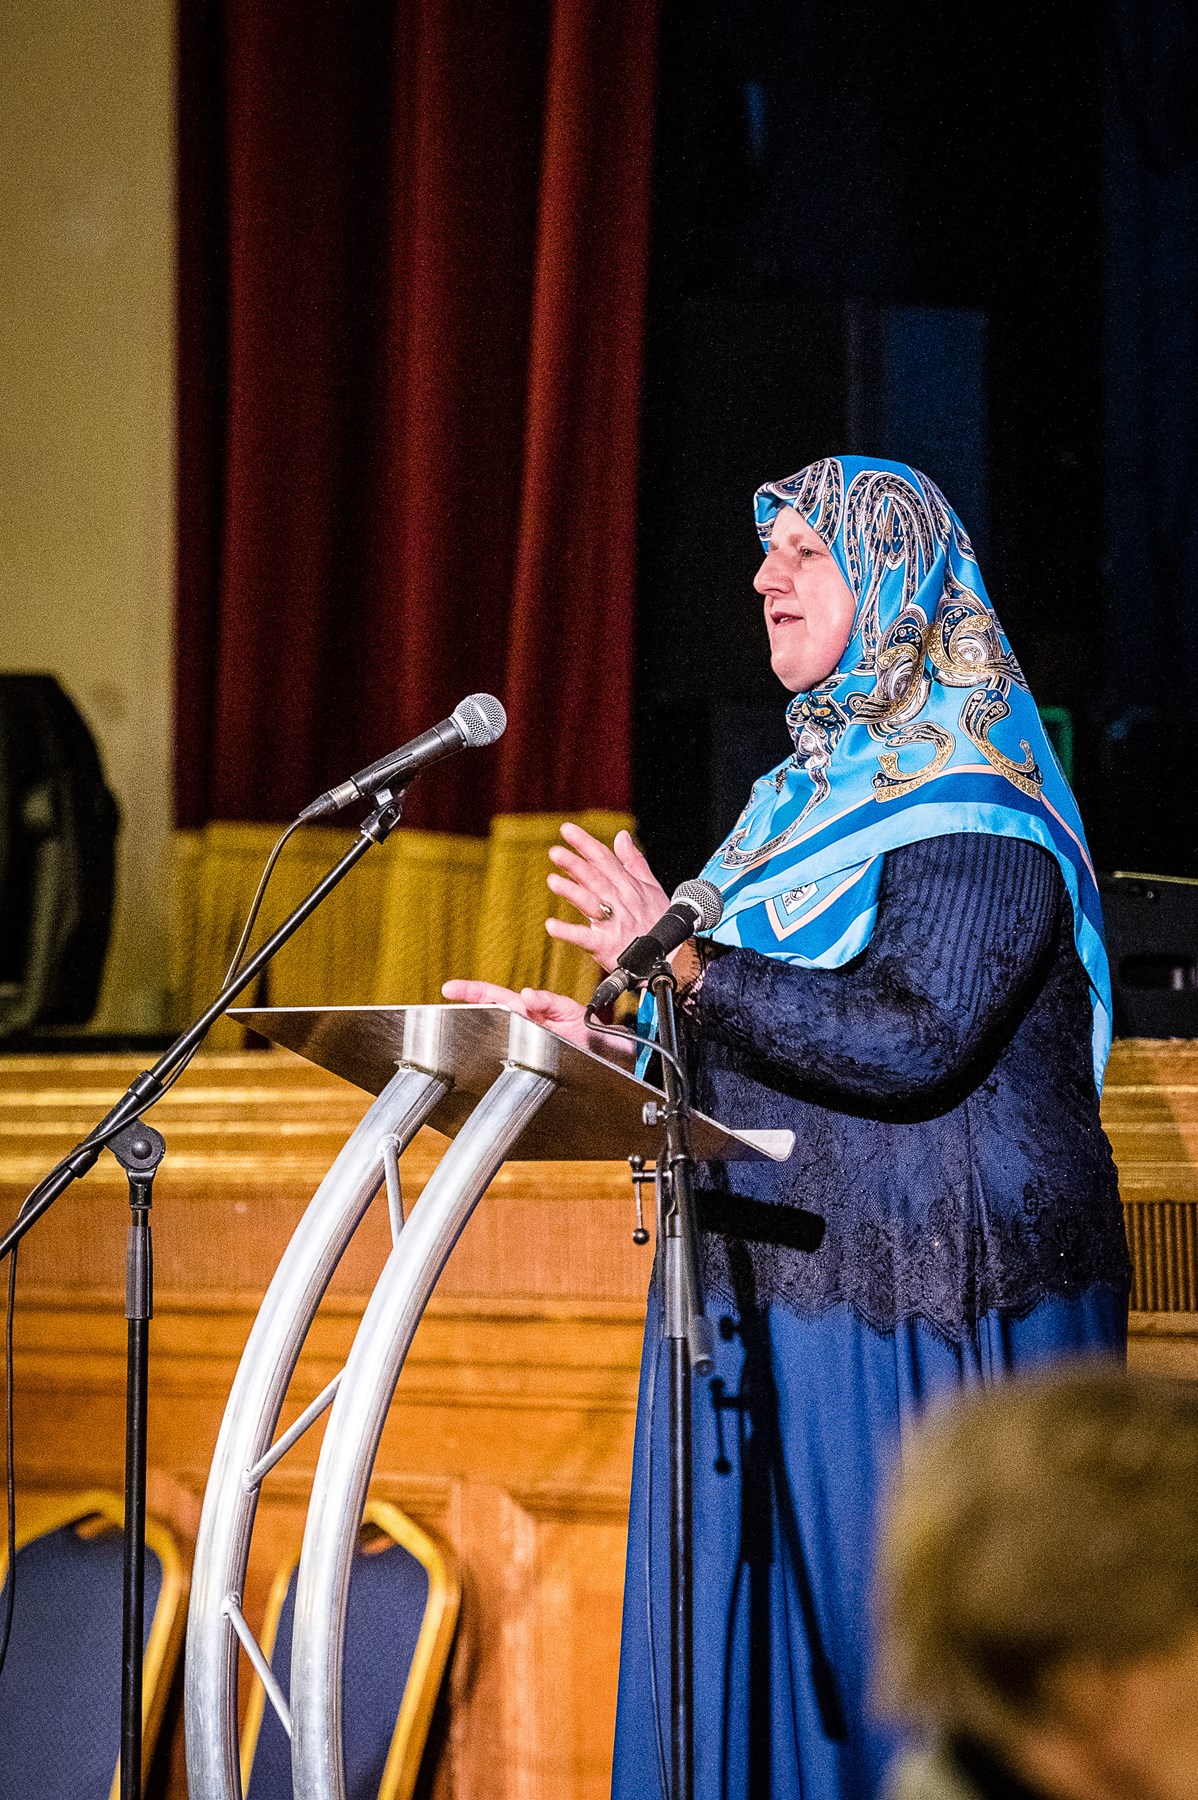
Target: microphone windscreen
{"type": "Point", "coordinates": [705, 897]}
{"type": "Point", "coordinates": [480, 718]}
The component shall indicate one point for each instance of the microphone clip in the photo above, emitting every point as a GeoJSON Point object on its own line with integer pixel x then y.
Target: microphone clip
{"type": "Point", "coordinates": [385, 814]}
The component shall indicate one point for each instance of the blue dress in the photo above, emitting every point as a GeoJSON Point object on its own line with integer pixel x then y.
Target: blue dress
{"type": "Point", "coordinates": [950, 1214]}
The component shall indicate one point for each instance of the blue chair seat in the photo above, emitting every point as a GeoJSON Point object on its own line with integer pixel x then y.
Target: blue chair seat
{"type": "Point", "coordinates": [403, 1602]}
{"type": "Point", "coordinates": [60, 1692]}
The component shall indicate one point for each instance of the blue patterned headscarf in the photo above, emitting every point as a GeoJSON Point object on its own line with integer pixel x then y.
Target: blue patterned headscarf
{"type": "Point", "coordinates": [926, 728]}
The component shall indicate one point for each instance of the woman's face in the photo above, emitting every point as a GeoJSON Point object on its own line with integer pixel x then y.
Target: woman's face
{"type": "Point", "coordinates": [809, 606]}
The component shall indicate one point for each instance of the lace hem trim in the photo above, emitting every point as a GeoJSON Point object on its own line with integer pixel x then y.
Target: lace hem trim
{"type": "Point", "coordinates": [889, 1277]}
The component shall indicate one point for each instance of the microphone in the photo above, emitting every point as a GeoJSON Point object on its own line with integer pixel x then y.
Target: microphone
{"type": "Point", "coordinates": [694, 906]}
{"type": "Point", "coordinates": [478, 719]}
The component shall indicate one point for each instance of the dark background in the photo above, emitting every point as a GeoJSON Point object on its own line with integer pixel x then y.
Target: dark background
{"type": "Point", "coordinates": [962, 238]}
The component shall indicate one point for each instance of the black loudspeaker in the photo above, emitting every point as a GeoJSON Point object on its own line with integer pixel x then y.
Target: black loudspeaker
{"type": "Point", "coordinates": [1152, 942]}
{"type": "Point", "coordinates": [58, 827]}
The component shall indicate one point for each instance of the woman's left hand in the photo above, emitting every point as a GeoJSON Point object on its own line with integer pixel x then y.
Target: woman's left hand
{"type": "Point", "coordinates": [615, 890]}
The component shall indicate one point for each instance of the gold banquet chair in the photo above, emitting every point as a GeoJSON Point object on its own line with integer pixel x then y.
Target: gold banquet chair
{"type": "Point", "coordinates": [60, 1698]}
{"type": "Point", "coordinates": [404, 1597]}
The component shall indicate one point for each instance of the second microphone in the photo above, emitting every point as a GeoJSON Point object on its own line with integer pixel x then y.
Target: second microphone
{"type": "Point", "coordinates": [694, 906]}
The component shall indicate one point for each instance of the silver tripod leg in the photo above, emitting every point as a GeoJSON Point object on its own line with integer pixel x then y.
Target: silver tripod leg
{"type": "Point", "coordinates": [356, 1422]}
{"type": "Point", "coordinates": [243, 1449]}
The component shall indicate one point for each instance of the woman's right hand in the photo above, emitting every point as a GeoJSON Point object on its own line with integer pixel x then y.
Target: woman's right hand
{"type": "Point", "coordinates": [555, 1011]}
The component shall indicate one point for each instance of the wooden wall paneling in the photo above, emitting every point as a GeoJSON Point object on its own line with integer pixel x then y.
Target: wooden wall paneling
{"type": "Point", "coordinates": [1150, 1110]}
{"type": "Point", "coordinates": [511, 1431]}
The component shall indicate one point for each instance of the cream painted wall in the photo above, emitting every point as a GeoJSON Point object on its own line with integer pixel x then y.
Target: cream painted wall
{"type": "Point", "coordinates": [86, 414]}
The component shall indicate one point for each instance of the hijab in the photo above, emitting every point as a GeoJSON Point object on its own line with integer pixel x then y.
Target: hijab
{"type": "Point", "coordinates": [925, 728]}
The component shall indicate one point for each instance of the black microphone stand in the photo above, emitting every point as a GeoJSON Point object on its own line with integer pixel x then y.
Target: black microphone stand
{"type": "Point", "coordinates": [139, 1149]}
{"type": "Point", "coordinates": [689, 1335]}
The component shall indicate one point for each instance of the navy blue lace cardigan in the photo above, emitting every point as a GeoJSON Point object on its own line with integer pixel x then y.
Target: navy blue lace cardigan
{"type": "Point", "coordinates": [949, 1158]}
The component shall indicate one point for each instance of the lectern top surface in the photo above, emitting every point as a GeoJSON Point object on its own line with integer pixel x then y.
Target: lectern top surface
{"type": "Point", "coordinates": [595, 1113]}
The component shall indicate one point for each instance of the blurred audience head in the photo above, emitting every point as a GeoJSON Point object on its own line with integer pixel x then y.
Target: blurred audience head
{"type": "Point", "coordinates": [1038, 1591]}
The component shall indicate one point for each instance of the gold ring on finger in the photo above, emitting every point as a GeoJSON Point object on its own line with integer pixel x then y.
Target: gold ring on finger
{"type": "Point", "coordinates": [604, 913]}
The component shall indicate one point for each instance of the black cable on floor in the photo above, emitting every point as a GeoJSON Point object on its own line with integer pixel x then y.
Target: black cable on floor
{"type": "Point", "coordinates": [10, 1485]}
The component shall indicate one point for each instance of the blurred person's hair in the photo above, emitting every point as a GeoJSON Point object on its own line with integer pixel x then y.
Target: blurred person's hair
{"type": "Point", "coordinates": [1043, 1522]}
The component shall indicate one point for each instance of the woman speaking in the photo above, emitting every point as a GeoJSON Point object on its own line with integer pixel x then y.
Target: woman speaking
{"type": "Point", "coordinates": [909, 973]}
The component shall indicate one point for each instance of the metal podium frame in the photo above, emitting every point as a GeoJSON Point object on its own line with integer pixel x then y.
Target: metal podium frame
{"type": "Point", "coordinates": [494, 1081]}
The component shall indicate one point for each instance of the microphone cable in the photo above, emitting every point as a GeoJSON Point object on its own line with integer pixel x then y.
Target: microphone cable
{"type": "Point", "coordinates": [640, 1043]}
{"type": "Point", "coordinates": [256, 902]}
{"type": "Point", "coordinates": [101, 1138]}
{"type": "Point", "coordinates": [10, 1482]}
{"type": "Point", "coordinates": [101, 1135]}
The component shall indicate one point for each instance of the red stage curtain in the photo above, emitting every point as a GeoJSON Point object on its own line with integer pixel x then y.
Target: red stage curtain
{"type": "Point", "coordinates": [412, 260]}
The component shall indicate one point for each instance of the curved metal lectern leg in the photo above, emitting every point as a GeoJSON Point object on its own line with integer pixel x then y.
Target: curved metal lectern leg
{"type": "Point", "coordinates": [243, 1449]}
{"type": "Point", "coordinates": [360, 1409]}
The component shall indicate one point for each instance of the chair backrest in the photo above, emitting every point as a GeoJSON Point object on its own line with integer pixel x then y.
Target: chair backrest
{"type": "Point", "coordinates": [404, 1595]}
{"type": "Point", "coordinates": [60, 1696]}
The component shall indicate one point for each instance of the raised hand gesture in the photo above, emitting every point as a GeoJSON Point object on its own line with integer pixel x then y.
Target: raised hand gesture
{"type": "Point", "coordinates": [615, 890]}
